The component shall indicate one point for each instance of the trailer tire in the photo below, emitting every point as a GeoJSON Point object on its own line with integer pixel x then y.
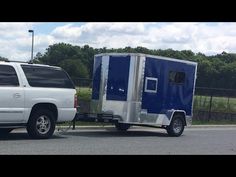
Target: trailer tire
{"type": "Point", "coordinates": [5, 131]}
{"type": "Point", "coordinates": [176, 126]}
{"type": "Point", "coordinates": [122, 126]}
{"type": "Point", "coordinates": [41, 124]}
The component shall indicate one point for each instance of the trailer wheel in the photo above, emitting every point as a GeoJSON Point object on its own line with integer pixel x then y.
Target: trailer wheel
{"type": "Point", "coordinates": [5, 131]}
{"type": "Point", "coordinates": [176, 126]}
{"type": "Point", "coordinates": [41, 124]}
{"type": "Point", "coordinates": [122, 126]}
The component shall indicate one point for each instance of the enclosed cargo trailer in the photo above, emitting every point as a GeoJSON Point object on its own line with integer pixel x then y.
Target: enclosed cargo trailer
{"type": "Point", "coordinates": [139, 89]}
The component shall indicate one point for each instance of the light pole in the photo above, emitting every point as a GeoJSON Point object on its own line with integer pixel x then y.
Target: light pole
{"type": "Point", "coordinates": [32, 31]}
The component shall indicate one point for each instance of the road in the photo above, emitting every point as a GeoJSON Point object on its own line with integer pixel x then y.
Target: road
{"type": "Point", "coordinates": [200, 140]}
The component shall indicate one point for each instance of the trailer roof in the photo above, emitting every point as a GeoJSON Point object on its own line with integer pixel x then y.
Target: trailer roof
{"type": "Point", "coordinates": [147, 55]}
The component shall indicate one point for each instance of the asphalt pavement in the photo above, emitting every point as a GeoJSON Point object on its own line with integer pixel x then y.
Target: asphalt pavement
{"type": "Point", "coordinates": [138, 140]}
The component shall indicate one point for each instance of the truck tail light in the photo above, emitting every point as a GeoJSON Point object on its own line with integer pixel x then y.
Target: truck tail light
{"type": "Point", "coordinates": [75, 101]}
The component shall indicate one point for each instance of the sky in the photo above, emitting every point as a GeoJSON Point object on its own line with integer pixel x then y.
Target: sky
{"type": "Point", "coordinates": [208, 38]}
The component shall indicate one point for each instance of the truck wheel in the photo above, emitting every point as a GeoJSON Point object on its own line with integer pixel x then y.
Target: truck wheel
{"type": "Point", "coordinates": [122, 126]}
{"type": "Point", "coordinates": [5, 131]}
{"type": "Point", "coordinates": [176, 126]}
{"type": "Point", "coordinates": [41, 124]}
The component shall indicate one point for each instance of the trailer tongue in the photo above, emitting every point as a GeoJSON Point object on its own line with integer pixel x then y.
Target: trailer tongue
{"type": "Point", "coordinates": [89, 117]}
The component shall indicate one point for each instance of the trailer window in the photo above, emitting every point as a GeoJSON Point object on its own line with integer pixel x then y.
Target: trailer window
{"type": "Point", "coordinates": [151, 84]}
{"type": "Point", "coordinates": [176, 77]}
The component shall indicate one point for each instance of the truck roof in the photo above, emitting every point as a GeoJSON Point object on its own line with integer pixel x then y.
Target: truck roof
{"type": "Point", "coordinates": [26, 63]}
{"type": "Point", "coordinates": [147, 55]}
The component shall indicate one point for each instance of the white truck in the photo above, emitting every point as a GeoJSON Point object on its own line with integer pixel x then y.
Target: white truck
{"type": "Point", "coordinates": [36, 97]}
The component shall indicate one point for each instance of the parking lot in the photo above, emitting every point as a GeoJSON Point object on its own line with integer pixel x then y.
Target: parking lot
{"type": "Point", "coordinates": [138, 140]}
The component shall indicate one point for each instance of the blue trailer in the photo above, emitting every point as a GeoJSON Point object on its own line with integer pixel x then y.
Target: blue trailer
{"type": "Point", "coordinates": [138, 89]}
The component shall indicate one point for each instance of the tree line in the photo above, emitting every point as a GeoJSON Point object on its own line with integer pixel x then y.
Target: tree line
{"type": "Point", "coordinates": [216, 71]}
{"type": "Point", "coordinates": [3, 59]}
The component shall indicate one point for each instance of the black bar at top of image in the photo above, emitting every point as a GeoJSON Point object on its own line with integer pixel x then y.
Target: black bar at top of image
{"type": "Point", "coordinates": [118, 11]}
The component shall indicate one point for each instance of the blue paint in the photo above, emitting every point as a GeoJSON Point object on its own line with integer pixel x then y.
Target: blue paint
{"type": "Point", "coordinates": [118, 77]}
{"type": "Point", "coordinates": [169, 84]}
{"type": "Point", "coordinates": [96, 78]}
{"type": "Point", "coordinates": [169, 94]}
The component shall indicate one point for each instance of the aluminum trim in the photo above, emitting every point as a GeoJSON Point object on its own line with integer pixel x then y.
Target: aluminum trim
{"type": "Point", "coordinates": [11, 111]}
{"type": "Point", "coordinates": [146, 81]}
{"type": "Point", "coordinates": [195, 78]}
{"type": "Point", "coordinates": [188, 120]}
{"type": "Point", "coordinates": [147, 55]}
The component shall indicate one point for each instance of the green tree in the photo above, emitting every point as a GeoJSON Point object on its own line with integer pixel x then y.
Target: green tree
{"type": "Point", "coordinates": [57, 53]}
{"type": "Point", "coordinates": [3, 59]}
{"type": "Point", "coordinates": [37, 58]}
{"type": "Point", "coordinates": [75, 68]}
{"type": "Point", "coordinates": [213, 71]}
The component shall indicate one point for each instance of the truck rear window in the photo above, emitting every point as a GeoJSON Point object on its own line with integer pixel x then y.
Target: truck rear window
{"type": "Point", "coordinates": [39, 76]}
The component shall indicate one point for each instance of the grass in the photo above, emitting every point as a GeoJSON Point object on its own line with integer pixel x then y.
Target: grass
{"type": "Point", "coordinates": [213, 122]}
{"type": "Point", "coordinates": [84, 93]}
{"type": "Point", "coordinates": [219, 104]}
{"type": "Point", "coordinates": [200, 102]}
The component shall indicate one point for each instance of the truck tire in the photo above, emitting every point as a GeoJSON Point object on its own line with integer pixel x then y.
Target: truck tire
{"type": "Point", "coordinates": [122, 126]}
{"type": "Point", "coordinates": [176, 126]}
{"type": "Point", "coordinates": [41, 124]}
{"type": "Point", "coordinates": [5, 131]}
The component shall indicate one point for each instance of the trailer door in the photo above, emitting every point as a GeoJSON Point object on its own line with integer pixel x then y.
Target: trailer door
{"type": "Point", "coordinates": [153, 85]}
{"type": "Point", "coordinates": [118, 77]}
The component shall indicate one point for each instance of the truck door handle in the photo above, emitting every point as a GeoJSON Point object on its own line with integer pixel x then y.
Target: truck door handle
{"type": "Point", "coordinates": [16, 95]}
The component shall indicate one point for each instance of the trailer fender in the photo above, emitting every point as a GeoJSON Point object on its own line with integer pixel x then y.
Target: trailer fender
{"type": "Point", "coordinates": [170, 114]}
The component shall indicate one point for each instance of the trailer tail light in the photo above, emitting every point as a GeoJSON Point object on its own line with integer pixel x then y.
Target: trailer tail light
{"type": "Point", "coordinates": [75, 101]}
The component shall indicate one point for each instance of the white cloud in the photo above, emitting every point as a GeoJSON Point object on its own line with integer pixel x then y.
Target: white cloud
{"type": "Point", "coordinates": [67, 31]}
{"type": "Point", "coordinates": [15, 40]}
{"type": "Point", "coordinates": [208, 38]}
{"type": "Point", "coordinates": [12, 30]}
{"type": "Point", "coordinates": [92, 31]}
{"type": "Point", "coordinates": [178, 36]}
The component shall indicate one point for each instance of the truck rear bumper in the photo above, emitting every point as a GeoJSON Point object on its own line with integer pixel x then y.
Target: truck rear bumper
{"type": "Point", "coordinates": [66, 114]}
